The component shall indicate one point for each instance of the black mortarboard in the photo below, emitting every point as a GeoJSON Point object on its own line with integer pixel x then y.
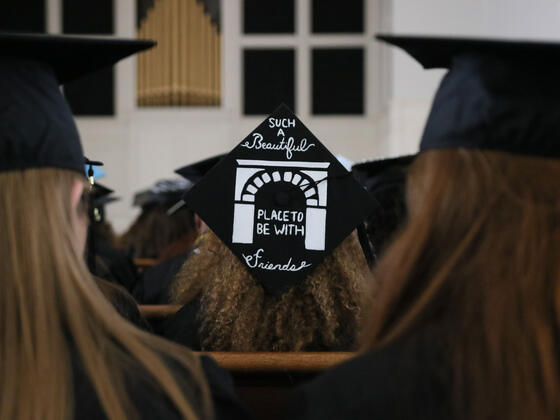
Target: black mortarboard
{"type": "Point", "coordinates": [498, 95]}
{"type": "Point", "coordinates": [194, 172]}
{"type": "Point", "coordinates": [375, 174]}
{"type": "Point", "coordinates": [100, 196]}
{"type": "Point", "coordinates": [99, 191]}
{"type": "Point", "coordinates": [163, 192]}
{"type": "Point", "coordinates": [102, 201]}
{"type": "Point", "coordinates": [385, 180]}
{"type": "Point", "coordinates": [280, 201]}
{"type": "Point", "coordinates": [36, 124]}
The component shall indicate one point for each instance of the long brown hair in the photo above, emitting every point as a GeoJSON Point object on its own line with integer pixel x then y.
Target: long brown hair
{"type": "Point", "coordinates": [321, 313]}
{"type": "Point", "coordinates": [51, 310]}
{"type": "Point", "coordinates": [480, 259]}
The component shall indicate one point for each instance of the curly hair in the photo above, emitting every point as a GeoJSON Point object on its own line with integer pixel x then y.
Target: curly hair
{"type": "Point", "coordinates": [322, 313]}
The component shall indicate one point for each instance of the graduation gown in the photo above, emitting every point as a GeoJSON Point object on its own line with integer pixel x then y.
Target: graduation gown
{"type": "Point", "coordinates": [404, 380]}
{"type": "Point", "coordinates": [114, 265]}
{"type": "Point", "coordinates": [226, 404]}
{"type": "Point", "coordinates": [123, 302]}
{"type": "Point", "coordinates": [150, 403]}
{"type": "Point", "coordinates": [153, 287]}
{"type": "Point", "coordinates": [183, 326]}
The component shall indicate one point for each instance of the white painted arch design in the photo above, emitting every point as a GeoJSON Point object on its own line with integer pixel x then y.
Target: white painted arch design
{"type": "Point", "coordinates": [299, 179]}
{"type": "Point", "coordinates": [310, 177]}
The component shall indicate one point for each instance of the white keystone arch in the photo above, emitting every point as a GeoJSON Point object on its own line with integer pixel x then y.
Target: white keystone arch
{"type": "Point", "coordinates": [251, 175]}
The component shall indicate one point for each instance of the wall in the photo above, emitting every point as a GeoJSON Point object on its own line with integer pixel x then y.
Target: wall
{"type": "Point", "coordinates": [140, 146]}
{"type": "Point", "coordinates": [413, 88]}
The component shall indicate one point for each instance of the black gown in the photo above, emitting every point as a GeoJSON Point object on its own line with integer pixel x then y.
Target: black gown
{"type": "Point", "coordinates": [404, 380]}
{"type": "Point", "coordinates": [183, 327]}
{"type": "Point", "coordinates": [153, 287]}
{"type": "Point", "coordinates": [114, 265]}
{"type": "Point", "coordinates": [148, 401]}
{"type": "Point", "coordinates": [226, 404]}
{"type": "Point", "coordinates": [123, 302]}
{"type": "Point", "coordinates": [151, 403]}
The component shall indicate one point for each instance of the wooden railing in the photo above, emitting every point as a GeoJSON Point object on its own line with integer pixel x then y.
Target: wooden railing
{"type": "Point", "coordinates": [157, 312]}
{"type": "Point", "coordinates": [278, 362]}
{"type": "Point", "coordinates": [144, 262]}
{"type": "Point", "coordinates": [264, 381]}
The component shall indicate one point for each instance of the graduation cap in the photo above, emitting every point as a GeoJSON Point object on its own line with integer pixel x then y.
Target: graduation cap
{"type": "Point", "coordinates": [194, 172]}
{"type": "Point", "coordinates": [95, 171]}
{"type": "Point", "coordinates": [36, 124]}
{"type": "Point", "coordinates": [100, 191]}
{"type": "Point", "coordinates": [385, 180]}
{"type": "Point", "coordinates": [378, 174]}
{"type": "Point", "coordinates": [280, 201]}
{"type": "Point", "coordinates": [497, 95]}
{"type": "Point", "coordinates": [100, 196]}
{"type": "Point", "coordinates": [163, 192]}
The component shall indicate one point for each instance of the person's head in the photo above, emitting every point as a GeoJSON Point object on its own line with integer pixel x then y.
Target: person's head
{"type": "Point", "coordinates": [385, 180]}
{"type": "Point", "coordinates": [52, 308]}
{"type": "Point", "coordinates": [478, 259]}
{"type": "Point", "coordinates": [476, 268]}
{"type": "Point", "coordinates": [163, 222]}
{"type": "Point", "coordinates": [53, 317]}
{"type": "Point", "coordinates": [321, 313]}
{"type": "Point", "coordinates": [154, 230]}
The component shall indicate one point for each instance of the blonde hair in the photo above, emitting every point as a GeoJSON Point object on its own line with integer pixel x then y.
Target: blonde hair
{"type": "Point", "coordinates": [322, 313]}
{"type": "Point", "coordinates": [51, 310]}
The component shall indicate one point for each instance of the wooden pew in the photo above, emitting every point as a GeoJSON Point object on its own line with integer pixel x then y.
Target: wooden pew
{"type": "Point", "coordinates": [263, 380]}
{"type": "Point", "coordinates": [158, 312]}
{"type": "Point", "coordinates": [143, 263]}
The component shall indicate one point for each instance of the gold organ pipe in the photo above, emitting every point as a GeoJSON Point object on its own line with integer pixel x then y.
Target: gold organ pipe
{"type": "Point", "coordinates": [185, 67]}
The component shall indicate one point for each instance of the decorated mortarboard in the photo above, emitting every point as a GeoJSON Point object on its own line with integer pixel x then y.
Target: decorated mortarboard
{"type": "Point", "coordinates": [344, 161]}
{"type": "Point", "coordinates": [280, 201]}
{"type": "Point", "coordinates": [163, 192]}
{"type": "Point", "coordinates": [36, 124]}
{"type": "Point", "coordinates": [497, 95]}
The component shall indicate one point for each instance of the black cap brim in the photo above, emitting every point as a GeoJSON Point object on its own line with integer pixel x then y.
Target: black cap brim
{"type": "Point", "coordinates": [98, 191]}
{"type": "Point", "coordinates": [70, 56]}
{"type": "Point", "coordinates": [194, 172]}
{"type": "Point", "coordinates": [438, 52]}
